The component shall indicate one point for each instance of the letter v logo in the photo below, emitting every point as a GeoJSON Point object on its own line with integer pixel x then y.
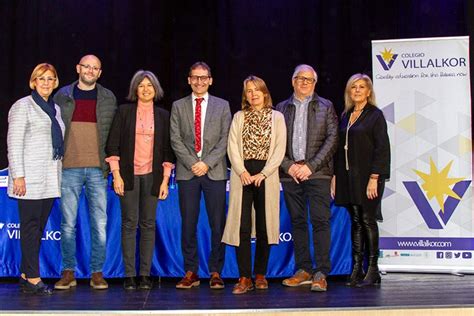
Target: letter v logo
{"type": "Point", "coordinates": [437, 184]}
{"type": "Point", "coordinates": [425, 208]}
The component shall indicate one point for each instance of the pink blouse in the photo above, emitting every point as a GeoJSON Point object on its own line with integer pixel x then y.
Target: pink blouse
{"type": "Point", "coordinates": [144, 141]}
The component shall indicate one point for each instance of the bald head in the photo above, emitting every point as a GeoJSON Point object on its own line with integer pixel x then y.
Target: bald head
{"type": "Point", "coordinates": [89, 70]}
{"type": "Point", "coordinates": [94, 58]}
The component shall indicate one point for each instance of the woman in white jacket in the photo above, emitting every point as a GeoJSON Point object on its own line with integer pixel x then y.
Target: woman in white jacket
{"type": "Point", "coordinates": [35, 149]}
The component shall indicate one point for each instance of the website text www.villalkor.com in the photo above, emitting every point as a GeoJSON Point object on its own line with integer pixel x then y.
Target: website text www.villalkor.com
{"type": "Point", "coordinates": [424, 243]}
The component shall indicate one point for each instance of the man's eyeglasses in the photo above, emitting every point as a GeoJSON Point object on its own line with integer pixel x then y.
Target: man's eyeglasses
{"type": "Point", "coordinates": [89, 67]}
{"type": "Point", "coordinates": [199, 78]}
{"type": "Point", "coordinates": [46, 79]}
{"type": "Point", "coordinates": [301, 79]}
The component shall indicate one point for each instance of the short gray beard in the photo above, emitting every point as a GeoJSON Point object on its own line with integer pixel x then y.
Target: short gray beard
{"type": "Point", "coordinates": [87, 82]}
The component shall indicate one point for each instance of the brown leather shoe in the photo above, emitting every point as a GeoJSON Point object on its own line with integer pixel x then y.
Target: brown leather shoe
{"type": "Point", "coordinates": [260, 282]}
{"type": "Point", "coordinates": [67, 281]}
{"type": "Point", "coordinates": [216, 282]}
{"type": "Point", "coordinates": [301, 277]}
{"type": "Point", "coordinates": [319, 283]}
{"type": "Point", "coordinates": [98, 282]}
{"type": "Point", "coordinates": [190, 280]}
{"type": "Point", "coordinates": [244, 285]}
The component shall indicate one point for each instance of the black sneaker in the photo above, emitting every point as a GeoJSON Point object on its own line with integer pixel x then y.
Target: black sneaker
{"type": "Point", "coordinates": [145, 283]}
{"type": "Point", "coordinates": [130, 283]}
{"type": "Point", "coordinates": [36, 289]}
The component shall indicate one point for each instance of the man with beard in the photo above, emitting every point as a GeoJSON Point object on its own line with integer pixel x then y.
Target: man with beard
{"type": "Point", "coordinates": [87, 110]}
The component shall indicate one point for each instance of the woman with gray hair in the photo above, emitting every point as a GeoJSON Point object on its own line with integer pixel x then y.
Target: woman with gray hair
{"type": "Point", "coordinates": [140, 157]}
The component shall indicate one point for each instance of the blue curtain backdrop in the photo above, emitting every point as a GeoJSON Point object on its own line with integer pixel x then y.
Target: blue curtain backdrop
{"type": "Point", "coordinates": [167, 260]}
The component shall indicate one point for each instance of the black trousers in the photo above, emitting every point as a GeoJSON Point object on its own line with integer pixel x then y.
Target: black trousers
{"type": "Point", "coordinates": [252, 195]}
{"type": "Point", "coordinates": [34, 215]}
{"type": "Point", "coordinates": [189, 203]}
{"type": "Point", "coordinates": [316, 193]}
{"type": "Point", "coordinates": [364, 232]}
{"type": "Point", "coordinates": [138, 209]}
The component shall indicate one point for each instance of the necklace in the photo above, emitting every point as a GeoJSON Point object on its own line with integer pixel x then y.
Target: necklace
{"type": "Point", "coordinates": [352, 119]}
{"type": "Point", "coordinates": [147, 132]}
{"type": "Point", "coordinates": [354, 116]}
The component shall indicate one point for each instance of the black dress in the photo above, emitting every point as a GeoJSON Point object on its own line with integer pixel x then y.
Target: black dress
{"type": "Point", "coordinates": [368, 152]}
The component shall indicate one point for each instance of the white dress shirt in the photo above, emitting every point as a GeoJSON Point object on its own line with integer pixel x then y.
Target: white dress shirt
{"type": "Point", "coordinates": [203, 116]}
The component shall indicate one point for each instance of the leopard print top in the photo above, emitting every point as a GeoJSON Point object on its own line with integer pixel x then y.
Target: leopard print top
{"type": "Point", "coordinates": [256, 134]}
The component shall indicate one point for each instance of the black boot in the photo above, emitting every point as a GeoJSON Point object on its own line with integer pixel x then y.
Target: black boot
{"type": "Point", "coordinates": [373, 274]}
{"type": "Point", "coordinates": [372, 232]}
{"type": "Point", "coordinates": [357, 246]}
{"type": "Point", "coordinates": [357, 273]}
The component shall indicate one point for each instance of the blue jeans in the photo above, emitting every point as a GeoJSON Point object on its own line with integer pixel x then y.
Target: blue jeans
{"type": "Point", "coordinates": [73, 179]}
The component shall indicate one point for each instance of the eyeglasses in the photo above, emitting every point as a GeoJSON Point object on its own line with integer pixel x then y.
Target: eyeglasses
{"type": "Point", "coordinates": [46, 79]}
{"type": "Point", "coordinates": [199, 78]}
{"type": "Point", "coordinates": [89, 67]}
{"type": "Point", "coordinates": [301, 79]}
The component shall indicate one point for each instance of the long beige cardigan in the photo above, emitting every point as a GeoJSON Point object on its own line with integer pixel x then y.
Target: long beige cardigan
{"type": "Point", "coordinates": [272, 182]}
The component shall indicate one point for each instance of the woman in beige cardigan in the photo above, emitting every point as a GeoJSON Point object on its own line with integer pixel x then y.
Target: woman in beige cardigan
{"type": "Point", "coordinates": [256, 147]}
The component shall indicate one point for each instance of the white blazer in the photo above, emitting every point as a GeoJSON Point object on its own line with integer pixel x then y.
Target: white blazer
{"type": "Point", "coordinates": [30, 150]}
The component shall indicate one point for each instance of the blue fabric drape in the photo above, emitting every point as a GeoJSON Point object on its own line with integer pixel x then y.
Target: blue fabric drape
{"type": "Point", "coordinates": [167, 260]}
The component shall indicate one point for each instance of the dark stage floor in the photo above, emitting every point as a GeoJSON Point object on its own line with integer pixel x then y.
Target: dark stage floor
{"type": "Point", "coordinates": [398, 290]}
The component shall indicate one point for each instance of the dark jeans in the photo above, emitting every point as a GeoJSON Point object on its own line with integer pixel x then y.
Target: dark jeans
{"type": "Point", "coordinates": [314, 192]}
{"type": "Point", "coordinates": [138, 209]}
{"type": "Point", "coordinates": [256, 196]}
{"type": "Point", "coordinates": [189, 204]}
{"type": "Point", "coordinates": [34, 215]}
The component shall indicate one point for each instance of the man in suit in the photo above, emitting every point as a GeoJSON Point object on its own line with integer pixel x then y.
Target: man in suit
{"type": "Point", "coordinates": [199, 127]}
{"type": "Point", "coordinates": [307, 169]}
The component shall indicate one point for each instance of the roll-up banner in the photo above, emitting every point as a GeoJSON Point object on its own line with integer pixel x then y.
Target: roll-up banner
{"type": "Point", "coordinates": [423, 87]}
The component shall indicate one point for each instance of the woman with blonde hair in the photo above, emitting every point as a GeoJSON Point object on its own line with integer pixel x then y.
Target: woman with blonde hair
{"type": "Point", "coordinates": [362, 166]}
{"type": "Point", "coordinates": [256, 147]}
{"type": "Point", "coordinates": [35, 150]}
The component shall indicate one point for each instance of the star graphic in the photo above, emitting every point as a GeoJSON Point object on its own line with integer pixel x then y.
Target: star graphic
{"type": "Point", "coordinates": [437, 184]}
{"type": "Point", "coordinates": [387, 55]}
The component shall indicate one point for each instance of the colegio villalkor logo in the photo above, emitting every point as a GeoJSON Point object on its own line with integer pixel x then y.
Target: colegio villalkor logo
{"type": "Point", "coordinates": [386, 58]}
{"type": "Point", "coordinates": [437, 185]}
